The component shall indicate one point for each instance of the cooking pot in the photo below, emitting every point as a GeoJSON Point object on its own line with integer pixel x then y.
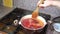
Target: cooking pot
{"type": "Point", "coordinates": [30, 16]}
{"type": "Point", "coordinates": [55, 24]}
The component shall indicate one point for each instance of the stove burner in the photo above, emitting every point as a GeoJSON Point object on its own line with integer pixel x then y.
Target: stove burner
{"type": "Point", "coordinates": [17, 13]}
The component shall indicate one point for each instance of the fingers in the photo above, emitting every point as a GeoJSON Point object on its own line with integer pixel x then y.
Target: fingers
{"type": "Point", "coordinates": [46, 4]}
{"type": "Point", "coordinates": [40, 5]}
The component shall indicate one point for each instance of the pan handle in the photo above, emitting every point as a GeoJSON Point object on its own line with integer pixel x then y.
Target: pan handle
{"type": "Point", "coordinates": [50, 22]}
{"type": "Point", "coordinates": [54, 19]}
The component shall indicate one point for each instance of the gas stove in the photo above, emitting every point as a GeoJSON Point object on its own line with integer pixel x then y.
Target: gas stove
{"type": "Point", "coordinates": [17, 13]}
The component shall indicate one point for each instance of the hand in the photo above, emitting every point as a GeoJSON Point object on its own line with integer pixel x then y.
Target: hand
{"type": "Point", "coordinates": [46, 3]}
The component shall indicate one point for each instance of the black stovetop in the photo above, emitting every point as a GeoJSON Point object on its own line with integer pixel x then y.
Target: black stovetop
{"type": "Point", "coordinates": [17, 13]}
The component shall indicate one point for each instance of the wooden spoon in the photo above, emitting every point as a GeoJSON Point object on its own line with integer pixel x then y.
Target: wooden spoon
{"type": "Point", "coordinates": [35, 12]}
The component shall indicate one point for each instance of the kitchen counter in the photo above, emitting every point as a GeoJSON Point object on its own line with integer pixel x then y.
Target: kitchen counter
{"type": "Point", "coordinates": [4, 11]}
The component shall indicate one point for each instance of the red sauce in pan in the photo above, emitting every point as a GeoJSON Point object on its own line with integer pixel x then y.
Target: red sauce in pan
{"type": "Point", "coordinates": [31, 23]}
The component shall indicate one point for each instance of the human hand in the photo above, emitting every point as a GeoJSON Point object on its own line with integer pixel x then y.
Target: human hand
{"type": "Point", "coordinates": [46, 3]}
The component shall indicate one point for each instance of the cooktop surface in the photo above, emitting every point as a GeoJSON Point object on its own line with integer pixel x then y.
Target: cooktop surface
{"type": "Point", "coordinates": [17, 13]}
